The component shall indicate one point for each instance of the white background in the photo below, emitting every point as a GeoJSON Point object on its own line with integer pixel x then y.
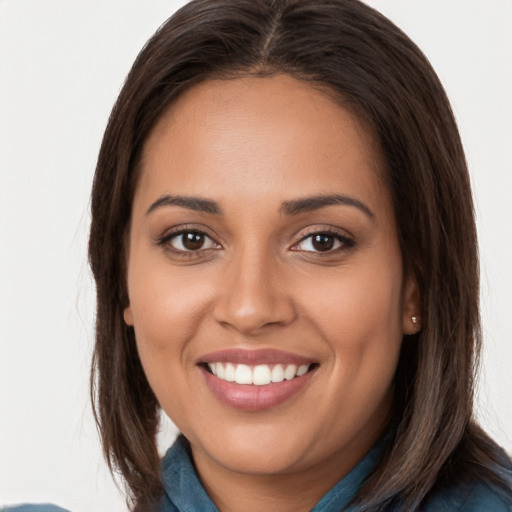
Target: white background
{"type": "Point", "coordinates": [62, 63]}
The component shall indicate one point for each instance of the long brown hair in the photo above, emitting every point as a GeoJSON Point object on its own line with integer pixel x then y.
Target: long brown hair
{"type": "Point", "coordinates": [376, 71]}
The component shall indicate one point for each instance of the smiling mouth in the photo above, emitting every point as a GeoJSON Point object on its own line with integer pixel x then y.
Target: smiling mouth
{"type": "Point", "coordinates": [256, 380]}
{"type": "Point", "coordinates": [257, 375]}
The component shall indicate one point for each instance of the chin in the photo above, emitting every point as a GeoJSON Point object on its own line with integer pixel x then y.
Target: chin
{"type": "Point", "coordinates": [261, 450]}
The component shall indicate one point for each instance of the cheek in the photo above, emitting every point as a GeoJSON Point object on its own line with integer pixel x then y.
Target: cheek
{"type": "Point", "coordinates": [167, 309]}
{"type": "Point", "coordinates": [359, 317]}
{"type": "Point", "coordinates": [357, 305]}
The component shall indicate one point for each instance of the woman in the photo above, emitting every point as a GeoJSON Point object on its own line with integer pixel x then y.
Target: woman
{"type": "Point", "coordinates": [284, 250]}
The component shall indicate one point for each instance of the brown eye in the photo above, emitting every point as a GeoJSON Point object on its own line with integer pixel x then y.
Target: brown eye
{"type": "Point", "coordinates": [322, 242]}
{"type": "Point", "coordinates": [192, 241]}
{"type": "Point", "coordinates": [188, 241]}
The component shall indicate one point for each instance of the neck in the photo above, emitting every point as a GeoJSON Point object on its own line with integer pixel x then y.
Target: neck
{"type": "Point", "coordinates": [293, 491]}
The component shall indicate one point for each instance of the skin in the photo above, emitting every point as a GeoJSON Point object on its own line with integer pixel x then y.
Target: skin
{"type": "Point", "coordinates": [251, 144]}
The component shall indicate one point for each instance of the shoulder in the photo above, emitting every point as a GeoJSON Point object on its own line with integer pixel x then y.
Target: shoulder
{"type": "Point", "coordinates": [479, 497]}
{"type": "Point", "coordinates": [485, 498]}
{"type": "Point", "coordinates": [46, 507]}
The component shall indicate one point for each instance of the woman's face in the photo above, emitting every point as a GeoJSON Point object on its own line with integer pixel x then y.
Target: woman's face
{"type": "Point", "coordinates": [263, 248]}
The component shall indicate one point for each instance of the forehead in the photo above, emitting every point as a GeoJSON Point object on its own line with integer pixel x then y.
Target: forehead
{"type": "Point", "coordinates": [259, 135]}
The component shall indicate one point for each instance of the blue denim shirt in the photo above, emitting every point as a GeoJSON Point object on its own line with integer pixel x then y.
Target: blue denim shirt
{"type": "Point", "coordinates": [185, 493]}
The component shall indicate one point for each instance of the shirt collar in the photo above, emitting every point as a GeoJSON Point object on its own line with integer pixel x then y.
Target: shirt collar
{"type": "Point", "coordinates": [181, 482]}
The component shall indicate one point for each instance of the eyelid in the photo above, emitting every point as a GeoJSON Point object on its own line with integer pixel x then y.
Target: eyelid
{"type": "Point", "coordinates": [346, 240]}
{"type": "Point", "coordinates": [178, 239]}
{"type": "Point", "coordinates": [175, 231]}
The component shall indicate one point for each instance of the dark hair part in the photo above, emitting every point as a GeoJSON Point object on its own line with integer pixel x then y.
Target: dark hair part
{"type": "Point", "coordinates": [370, 65]}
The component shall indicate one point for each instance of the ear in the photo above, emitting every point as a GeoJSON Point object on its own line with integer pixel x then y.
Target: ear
{"type": "Point", "coordinates": [411, 309]}
{"type": "Point", "coordinates": [128, 315]}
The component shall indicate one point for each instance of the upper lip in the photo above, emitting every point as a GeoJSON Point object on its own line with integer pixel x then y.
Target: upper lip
{"type": "Point", "coordinates": [254, 357]}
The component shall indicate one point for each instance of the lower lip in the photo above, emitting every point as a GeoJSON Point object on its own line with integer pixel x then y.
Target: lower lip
{"type": "Point", "coordinates": [255, 398]}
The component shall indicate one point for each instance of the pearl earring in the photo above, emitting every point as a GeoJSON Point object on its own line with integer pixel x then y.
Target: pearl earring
{"type": "Point", "coordinates": [414, 320]}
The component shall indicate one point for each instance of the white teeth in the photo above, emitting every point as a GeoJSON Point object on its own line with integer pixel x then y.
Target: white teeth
{"type": "Point", "coordinates": [259, 375]}
{"type": "Point", "coordinates": [229, 375]}
{"type": "Point", "coordinates": [278, 373]}
{"type": "Point", "coordinates": [221, 372]}
{"type": "Point", "coordinates": [302, 370]}
{"type": "Point", "coordinates": [290, 372]}
{"type": "Point", "coordinates": [243, 374]}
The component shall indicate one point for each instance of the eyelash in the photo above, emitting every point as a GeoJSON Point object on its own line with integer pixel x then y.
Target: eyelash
{"type": "Point", "coordinates": [345, 242]}
{"type": "Point", "coordinates": [165, 241]}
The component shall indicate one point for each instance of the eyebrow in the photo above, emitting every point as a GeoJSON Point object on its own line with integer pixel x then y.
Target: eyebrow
{"type": "Point", "coordinates": [309, 204]}
{"type": "Point", "coordinates": [292, 207]}
{"type": "Point", "coordinates": [197, 204]}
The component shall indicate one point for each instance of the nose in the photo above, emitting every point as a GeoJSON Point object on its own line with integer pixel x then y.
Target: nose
{"type": "Point", "coordinates": [253, 295]}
